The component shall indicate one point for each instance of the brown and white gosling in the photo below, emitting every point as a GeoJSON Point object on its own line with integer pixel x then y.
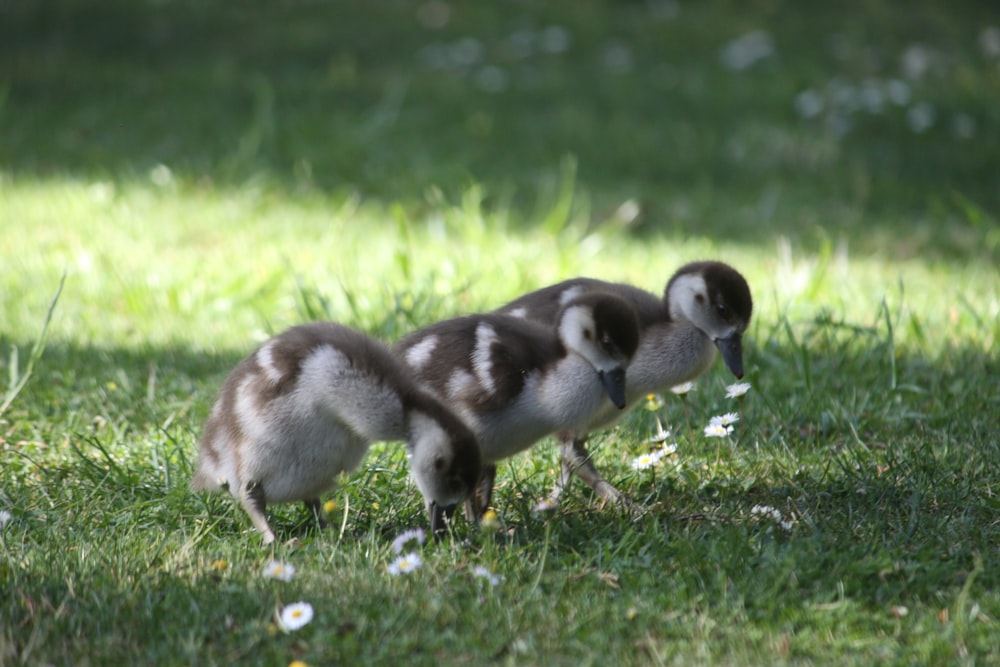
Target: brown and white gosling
{"type": "Point", "coordinates": [306, 405]}
{"type": "Point", "coordinates": [705, 308]}
{"type": "Point", "coordinates": [514, 381]}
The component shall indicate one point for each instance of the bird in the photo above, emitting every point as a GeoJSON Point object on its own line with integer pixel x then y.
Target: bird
{"type": "Point", "coordinates": [705, 308]}
{"type": "Point", "coordinates": [306, 405]}
{"type": "Point", "coordinates": [514, 381]}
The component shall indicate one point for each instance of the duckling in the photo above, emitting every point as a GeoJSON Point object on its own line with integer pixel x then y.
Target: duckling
{"type": "Point", "coordinates": [306, 405]}
{"type": "Point", "coordinates": [514, 381]}
{"type": "Point", "coordinates": [706, 307]}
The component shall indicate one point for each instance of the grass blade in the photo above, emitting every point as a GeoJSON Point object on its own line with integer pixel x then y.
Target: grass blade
{"type": "Point", "coordinates": [19, 380]}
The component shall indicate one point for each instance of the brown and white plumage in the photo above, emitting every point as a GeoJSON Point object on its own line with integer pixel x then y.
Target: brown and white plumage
{"type": "Point", "coordinates": [306, 405]}
{"type": "Point", "coordinates": [514, 381]}
{"type": "Point", "coordinates": [705, 309]}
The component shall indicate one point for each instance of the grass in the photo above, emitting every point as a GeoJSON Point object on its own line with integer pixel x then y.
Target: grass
{"type": "Point", "coordinates": [205, 176]}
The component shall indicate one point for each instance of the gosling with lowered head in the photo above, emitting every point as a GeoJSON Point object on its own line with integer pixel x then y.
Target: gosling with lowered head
{"type": "Point", "coordinates": [306, 405]}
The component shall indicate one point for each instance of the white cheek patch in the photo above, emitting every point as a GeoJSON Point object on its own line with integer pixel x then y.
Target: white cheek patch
{"type": "Point", "coordinates": [266, 362]}
{"type": "Point", "coordinates": [684, 296]}
{"type": "Point", "coordinates": [482, 366]}
{"type": "Point", "coordinates": [429, 442]}
{"type": "Point", "coordinates": [418, 355]}
{"type": "Point", "coordinates": [575, 322]}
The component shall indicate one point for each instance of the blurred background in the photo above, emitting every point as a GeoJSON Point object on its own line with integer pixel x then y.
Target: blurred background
{"type": "Point", "coordinates": [873, 122]}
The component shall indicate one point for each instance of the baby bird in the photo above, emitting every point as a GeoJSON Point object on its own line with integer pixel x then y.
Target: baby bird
{"type": "Point", "coordinates": [706, 306]}
{"type": "Point", "coordinates": [514, 381]}
{"type": "Point", "coordinates": [307, 404]}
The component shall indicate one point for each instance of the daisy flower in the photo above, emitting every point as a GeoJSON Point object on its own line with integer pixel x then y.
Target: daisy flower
{"type": "Point", "coordinates": [330, 506]}
{"type": "Point", "coordinates": [773, 514]}
{"type": "Point", "coordinates": [484, 573]}
{"type": "Point", "coordinates": [717, 430]}
{"type": "Point", "coordinates": [278, 570]}
{"type": "Point", "coordinates": [682, 388]}
{"type": "Point", "coordinates": [295, 616]}
{"type": "Point", "coordinates": [767, 512]}
{"type": "Point", "coordinates": [737, 389]}
{"type": "Point", "coordinates": [644, 461]}
{"type": "Point", "coordinates": [653, 402]}
{"type": "Point", "coordinates": [405, 564]}
{"type": "Point", "coordinates": [5, 518]}
{"type": "Point", "coordinates": [725, 420]}
{"type": "Point", "coordinates": [665, 450]}
{"type": "Point", "coordinates": [408, 536]}
{"type": "Point", "coordinates": [659, 437]}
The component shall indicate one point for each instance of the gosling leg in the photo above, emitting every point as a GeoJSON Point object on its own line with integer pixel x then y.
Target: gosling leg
{"type": "Point", "coordinates": [252, 499]}
{"type": "Point", "coordinates": [576, 461]}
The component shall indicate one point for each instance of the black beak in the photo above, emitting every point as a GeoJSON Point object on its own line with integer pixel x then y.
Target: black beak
{"type": "Point", "coordinates": [731, 348]}
{"type": "Point", "coordinates": [614, 384]}
{"type": "Point", "coordinates": [440, 516]}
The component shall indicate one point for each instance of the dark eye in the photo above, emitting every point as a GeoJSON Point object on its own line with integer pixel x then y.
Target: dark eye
{"type": "Point", "coordinates": [607, 344]}
{"type": "Point", "coordinates": [721, 308]}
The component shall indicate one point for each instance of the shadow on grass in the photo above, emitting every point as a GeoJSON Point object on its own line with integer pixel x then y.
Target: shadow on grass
{"type": "Point", "coordinates": [392, 100]}
{"type": "Point", "coordinates": [107, 540]}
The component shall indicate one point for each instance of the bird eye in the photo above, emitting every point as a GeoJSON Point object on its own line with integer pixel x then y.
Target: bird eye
{"type": "Point", "coordinates": [722, 309]}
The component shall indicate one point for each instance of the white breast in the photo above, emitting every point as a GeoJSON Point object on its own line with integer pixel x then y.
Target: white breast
{"type": "Point", "coordinates": [561, 399]}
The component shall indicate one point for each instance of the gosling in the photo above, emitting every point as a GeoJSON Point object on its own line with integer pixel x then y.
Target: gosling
{"type": "Point", "coordinates": [514, 381]}
{"type": "Point", "coordinates": [705, 308]}
{"type": "Point", "coordinates": [307, 404]}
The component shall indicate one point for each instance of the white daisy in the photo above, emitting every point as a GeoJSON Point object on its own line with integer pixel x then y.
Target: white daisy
{"type": "Point", "coordinates": [737, 389]}
{"type": "Point", "coordinates": [644, 461]}
{"type": "Point", "coordinates": [405, 564]}
{"type": "Point", "coordinates": [661, 436]}
{"type": "Point", "coordinates": [717, 430]}
{"type": "Point", "coordinates": [682, 388]}
{"type": "Point", "coordinates": [766, 511]}
{"type": "Point", "coordinates": [408, 536]}
{"type": "Point", "coordinates": [773, 514]}
{"type": "Point", "coordinates": [278, 570]}
{"type": "Point", "coordinates": [484, 573]}
{"type": "Point", "coordinates": [665, 450]}
{"type": "Point", "coordinates": [725, 420]}
{"type": "Point", "coordinates": [5, 518]}
{"type": "Point", "coordinates": [295, 616]}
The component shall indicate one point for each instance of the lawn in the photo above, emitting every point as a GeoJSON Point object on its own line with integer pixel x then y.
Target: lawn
{"type": "Point", "coordinates": [200, 175]}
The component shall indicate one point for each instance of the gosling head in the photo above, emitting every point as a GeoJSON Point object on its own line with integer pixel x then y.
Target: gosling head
{"type": "Point", "coordinates": [604, 330]}
{"type": "Point", "coordinates": [715, 298]}
{"type": "Point", "coordinates": [444, 461]}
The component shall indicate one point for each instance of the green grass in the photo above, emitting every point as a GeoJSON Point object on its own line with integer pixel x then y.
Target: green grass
{"type": "Point", "coordinates": [206, 175]}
